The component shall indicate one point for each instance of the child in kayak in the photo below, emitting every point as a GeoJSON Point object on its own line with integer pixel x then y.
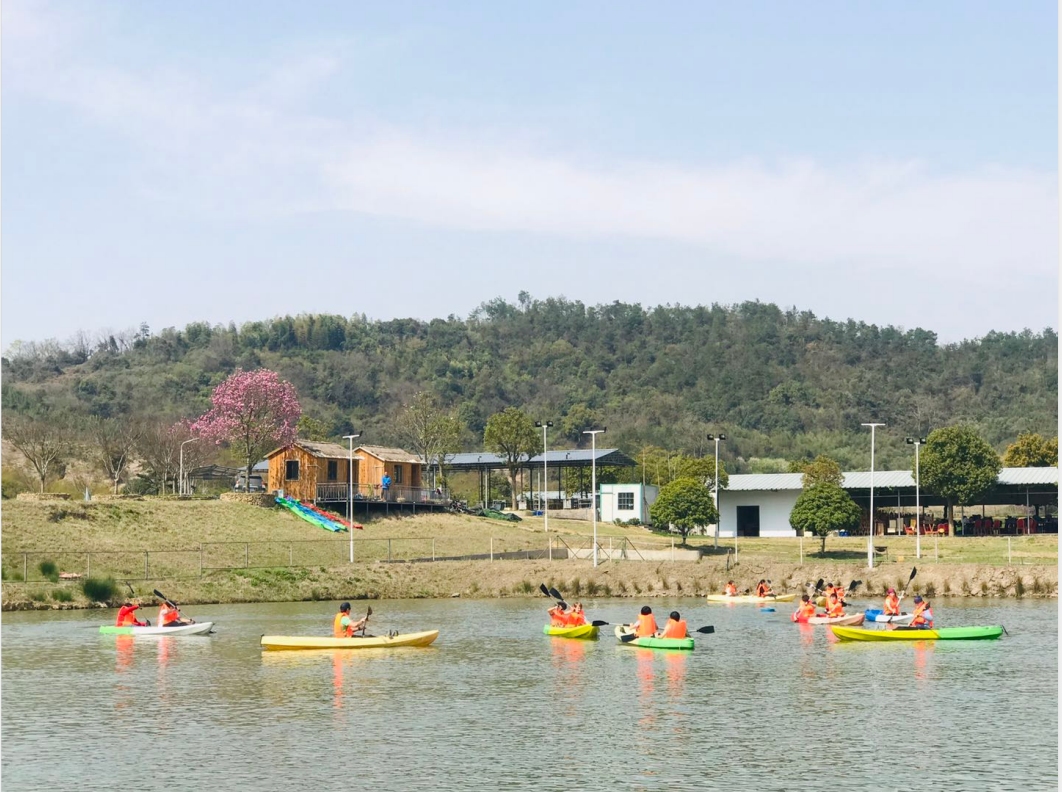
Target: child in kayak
{"type": "Point", "coordinates": [892, 604]}
{"type": "Point", "coordinates": [763, 589]}
{"type": "Point", "coordinates": [169, 616]}
{"type": "Point", "coordinates": [805, 610]}
{"type": "Point", "coordinates": [558, 617]}
{"type": "Point", "coordinates": [675, 627]}
{"type": "Point", "coordinates": [645, 627]}
{"type": "Point", "coordinates": [343, 626]}
{"type": "Point", "coordinates": [834, 607]}
{"type": "Point", "coordinates": [576, 617]}
{"type": "Point", "coordinates": [731, 589]}
{"type": "Point", "coordinates": [127, 617]}
{"type": "Point", "coordinates": [923, 615]}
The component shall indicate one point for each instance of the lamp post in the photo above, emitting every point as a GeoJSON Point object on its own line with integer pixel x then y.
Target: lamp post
{"type": "Point", "coordinates": [350, 438]}
{"type": "Point", "coordinates": [715, 491]}
{"type": "Point", "coordinates": [593, 480]}
{"type": "Point", "coordinates": [917, 443]}
{"type": "Point", "coordinates": [545, 475]}
{"type": "Point", "coordinates": [192, 440]}
{"type": "Point", "coordinates": [870, 533]}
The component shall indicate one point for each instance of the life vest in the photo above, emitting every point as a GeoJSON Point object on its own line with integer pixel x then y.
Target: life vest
{"type": "Point", "coordinates": [839, 592]}
{"type": "Point", "coordinates": [126, 616]}
{"type": "Point", "coordinates": [168, 614]}
{"type": "Point", "coordinates": [731, 590]}
{"type": "Point", "coordinates": [576, 620]}
{"type": "Point", "coordinates": [338, 630]}
{"type": "Point", "coordinates": [923, 615]}
{"type": "Point", "coordinates": [761, 590]}
{"type": "Point", "coordinates": [805, 611]}
{"type": "Point", "coordinates": [557, 617]}
{"type": "Point", "coordinates": [829, 590]}
{"type": "Point", "coordinates": [675, 629]}
{"type": "Point", "coordinates": [646, 626]}
{"type": "Point", "coordinates": [834, 609]}
{"type": "Point", "coordinates": [892, 605]}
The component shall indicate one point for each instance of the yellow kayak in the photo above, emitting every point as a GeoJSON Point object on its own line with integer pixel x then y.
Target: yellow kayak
{"type": "Point", "coordinates": [752, 598]}
{"type": "Point", "coordinates": [357, 642]}
{"type": "Point", "coordinates": [586, 632]}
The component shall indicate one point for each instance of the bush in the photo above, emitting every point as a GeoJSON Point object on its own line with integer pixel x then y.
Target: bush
{"type": "Point", "coordinates": [63, 595]}
{"type": "Point", "coordinates": [634, 521]}
{"type": "Point", "coordinates": [100, 589]}
{"type": "Point", "coordinates": [38, 596]}
{"type": "Point", "coordinates": [49, 570]}
{"type": "Point", "coordinates": [13, 482]}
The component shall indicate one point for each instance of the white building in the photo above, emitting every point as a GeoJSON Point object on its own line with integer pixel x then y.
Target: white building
{"type": "Point", "coordinates": [627, 502]}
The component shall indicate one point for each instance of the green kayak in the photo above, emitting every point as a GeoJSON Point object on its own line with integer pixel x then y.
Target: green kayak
{"type": "Point", "coordinates": [685, 644]}
{"type": "Point", "coordinates": [901, 634]}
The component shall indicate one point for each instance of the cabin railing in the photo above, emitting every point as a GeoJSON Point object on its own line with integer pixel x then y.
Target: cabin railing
{"type": "Point", "coordinates": [338, 493]}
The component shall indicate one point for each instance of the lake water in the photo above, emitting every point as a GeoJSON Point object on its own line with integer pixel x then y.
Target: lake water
{"type": "Point", "coordinates": [762, 704]}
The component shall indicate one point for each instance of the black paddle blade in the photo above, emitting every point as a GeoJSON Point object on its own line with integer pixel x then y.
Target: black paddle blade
{"type": "Point", "coordinates": [914, 571]}
{"type": "Point", "coordinates": [555, 594]}
{"type": "Point", "coordinates": [628, 637]}
{"type": "Point", "coordinates": [164, 598]}
{"type": "Point", "coordinates": [368, 613]}
{"type": "Point", "coordinates": [543, 589]}
{"type": "Point", "coordinates": [706, 630]}
{"type": "Point", "coordinates": [596, 623]}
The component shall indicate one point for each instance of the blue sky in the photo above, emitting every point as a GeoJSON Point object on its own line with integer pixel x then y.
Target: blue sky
{"type": "Point", "coordinates": [166, 163]}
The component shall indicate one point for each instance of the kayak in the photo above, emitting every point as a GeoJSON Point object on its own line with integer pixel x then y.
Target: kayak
{"type": "Point", "coordinates": [751, 598]}
{"type": "Point", "coordinates": [586, 632]}
{"type": "Point", "coordinates": [821, 601]}
{"type": "Point", "coordinates": [199, 628]}
{"type": "Point", "coordinates": [357, 642]}
{"type": "Point", "coordinates": [685, 644]}
{"type": "Point", "coordinates": [943, 634]}
{"type": "Point", "coordinates": [877, 615]}
{"type": "Point", "coordinates": [855, 618]}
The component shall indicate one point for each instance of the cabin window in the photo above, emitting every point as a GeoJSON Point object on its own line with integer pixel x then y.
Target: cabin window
{"type": "Point", "coordinates": [397, 477]}
{"type": "Point", "coordinates": [333, 470]}
{"type": "Point", "coordinates": [291, 470]}
{"type": "Point", "coordinates": [625, 501]}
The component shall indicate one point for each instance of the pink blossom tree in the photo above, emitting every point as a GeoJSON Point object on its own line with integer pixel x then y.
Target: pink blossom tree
{"type": "Point", "coordinates": [254, 411]}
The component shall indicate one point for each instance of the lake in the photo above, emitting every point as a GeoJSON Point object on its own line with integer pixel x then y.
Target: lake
{"type": "Point", "coordinates": [761, 704]}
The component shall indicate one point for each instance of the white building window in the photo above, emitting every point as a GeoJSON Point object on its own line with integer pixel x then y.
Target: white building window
{"type": "Point", "coordinates": [625, 501]}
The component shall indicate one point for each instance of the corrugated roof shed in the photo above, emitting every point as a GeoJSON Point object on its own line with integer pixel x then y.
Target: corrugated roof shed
{"type": "Point", "coordinates": [884, 479]}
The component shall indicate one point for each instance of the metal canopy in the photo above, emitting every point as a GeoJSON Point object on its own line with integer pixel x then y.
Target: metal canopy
{"type": "Point", "coordinates": [575, 458]}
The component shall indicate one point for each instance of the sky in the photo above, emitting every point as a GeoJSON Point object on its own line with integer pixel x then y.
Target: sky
{"type": "Point", "coordinates": [165, 163]}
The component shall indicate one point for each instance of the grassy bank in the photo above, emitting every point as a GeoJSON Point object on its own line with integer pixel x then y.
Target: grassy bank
{"type": "Point", "coordinates": [294, 560]}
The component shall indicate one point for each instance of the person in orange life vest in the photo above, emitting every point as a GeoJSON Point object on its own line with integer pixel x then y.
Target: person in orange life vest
{"type": "Point", "coordinates": [576, 617]}
{"type": "Point", "coordinates": [169, 616]}
{"type": "Point", "coordinates": [558, 617]}
{"type": "Point", "coordinates": [830, 589]}
{"type": "Point", "coordinates": [834, 607]}
{"type": "Point", "coordinates": [127, 616]}
{"type": "Point", "coordinates": [675, 627]}
{"type": "Point", "coordinates": [731, 589]}
{"type": "Point", "coordinates": [805, 610]}
{"type": "Point", "coordinates": [839, 591]}
{"type": "Point", "coordinates": [763, 589]}
{"type": "Point", "coordinates": [923, 615]}
{"type": "Point", "coordinates": [892, 604]}
{"type": "Point", "coordinates": [343, 626]}
{"type": "Point", "coordinates": [645, 627]}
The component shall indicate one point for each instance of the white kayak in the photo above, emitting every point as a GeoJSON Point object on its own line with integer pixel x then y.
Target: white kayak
{"type": "Point", "coordinates": [876, 615]}
{"type": "Point", "coordinates": [199, 628]}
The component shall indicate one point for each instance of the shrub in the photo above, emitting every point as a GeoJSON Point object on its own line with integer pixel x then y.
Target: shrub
{"type": "Point", "coordinates": [947, 587]}
{"type": "Point", "coordinates": [592, 588]}
{"type": "Point", "coordinates": [526, 586]}
{"type": "Point", "coordinates": [63, 595]}
{"type": "Point", "coordinates": [606, 590]}
{"type": "Point", "coordinates": [49, 570]}
{"type": "Point", "coordinates": [1019, 588]}
{"type": "Point", "coordinates": [634, 521]}
{"type": "Point", "coordinates": [38, 595]}
{"type": "Point", "coordinates": [100, 589]}
{"type": "Point", "coordinates": [576, 586]}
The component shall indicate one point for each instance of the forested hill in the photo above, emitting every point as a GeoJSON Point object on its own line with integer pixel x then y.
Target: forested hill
{"type": "Point", "coordinates": [781, 384]}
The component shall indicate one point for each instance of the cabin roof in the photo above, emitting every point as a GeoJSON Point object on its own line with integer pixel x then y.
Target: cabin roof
{"type": "Point", "coordinates": [317, 448]}
{"type": "Point", "coordinates": [386, 454]}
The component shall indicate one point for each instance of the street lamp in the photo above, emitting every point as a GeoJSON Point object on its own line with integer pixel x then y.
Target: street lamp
{"type": "Point", "coordinates": [350, 490]}
{"type": "Point", "coordinates": [192, 440]}
{"type": "Point", "coordinates": [870, 533]}
{"type": "Point", "coordinates": [545, 474]}
{"type": "Point", "coordinates": [593, 480]}
{"type": "Point", "coordinates": [917, 443]}
{"type": "Point", "coordinates": [715, 492]}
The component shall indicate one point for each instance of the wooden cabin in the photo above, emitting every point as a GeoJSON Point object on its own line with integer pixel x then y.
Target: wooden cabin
{"type": "Point", "coordinates": [403, 467]}
{"type": "Point", "coordinates": [300, 467]}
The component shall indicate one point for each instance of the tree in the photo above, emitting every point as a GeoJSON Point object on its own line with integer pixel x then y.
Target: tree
{"type": "Point", "coordinates": [959, 466]}
{"type": "Point", "coordinates": [512, 435]}
{"type": "Point", "coordinates": [44, 441]}
{"type": "Point", "coordinates": [254, 411]}
{"type": "Point", "coordinates": [428, 430]}
{"type": "Point", "coordinates": [821, 470]}
{"type": "Point", "coordinates": [822, 508]}
{"type": "Point", "coordinates": [113, 442]}
{"type": "Point", "coordinates": [702, 469]}
{"type": "Point", "coordinates": [310, 428]}
{"type": "Point", "coordinates": [686, 504]}
{"type": "Point", "coordinates": [578, 418]}
{"type": "Point", "coordinates": [1032, 450]}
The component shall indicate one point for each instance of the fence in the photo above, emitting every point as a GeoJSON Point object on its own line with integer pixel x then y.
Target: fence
{"type": "Point", "coordinates": [337, 492]}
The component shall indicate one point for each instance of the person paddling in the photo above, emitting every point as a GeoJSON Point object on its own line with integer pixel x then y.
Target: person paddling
{"type": "Point", "coordinates": [127, 615]}
{"type": "Point", "coordinates": [892, 604]}
{"type": "Point", "coordinates": [675, 627]}
{"type": "Point", "coordinates": [923, 615]}
{"type": "Point", "coordinates": [731, 589]}
{"type": "Point", "coordinates": [343, 626]}
{"type": "Point", "coordinates": [645, 627]}
{"type": "Point", "coordinates": [805, 610]}
{"type": "Point", "coordinates": [576, 618]}
{"type": "Point", "coordinates": [558, 616]}
{"type": "Point", "coordinates": [169, 616]}
{"type": "Point", "coordinates": [763, 589]}
{"type": "Point", "coordinates": [834, 607]}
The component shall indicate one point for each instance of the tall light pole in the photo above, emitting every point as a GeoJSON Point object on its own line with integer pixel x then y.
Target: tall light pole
{"type": "Point", "coordinates": [192, 440]}
{"type": "Point", "coordinates": [545, 475]}
{"type": "Point", "coordinates": [917, 443]}
{"type": "Point", "coordinates": [350, 438]}
{"type": "Point", "coordinates": [593, 480]}
{"type": "Point", "coordinates": [870, 533]}
{"type": "Point", "coordinates": [715, 490]}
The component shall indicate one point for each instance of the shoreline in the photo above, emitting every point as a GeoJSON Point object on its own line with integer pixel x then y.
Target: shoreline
{"type": "Point", "coordinates": [575, 580]}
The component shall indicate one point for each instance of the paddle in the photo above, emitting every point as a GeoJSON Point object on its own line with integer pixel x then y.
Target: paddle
{"type": "Point", "coordinates": [851, 587]}
{"type": "Point", "coordinates": [818, 585]}
{"type": "Point", "coordinates": [368, 613]}
{"type": "Point", "coordinates": [132, 594]}
{"type": "Point", "coordinates": [171, 603]}
{"type": "Point", "coordinates": [703, 630]}
{"type": "Point", "coordinates": [598, 623]}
